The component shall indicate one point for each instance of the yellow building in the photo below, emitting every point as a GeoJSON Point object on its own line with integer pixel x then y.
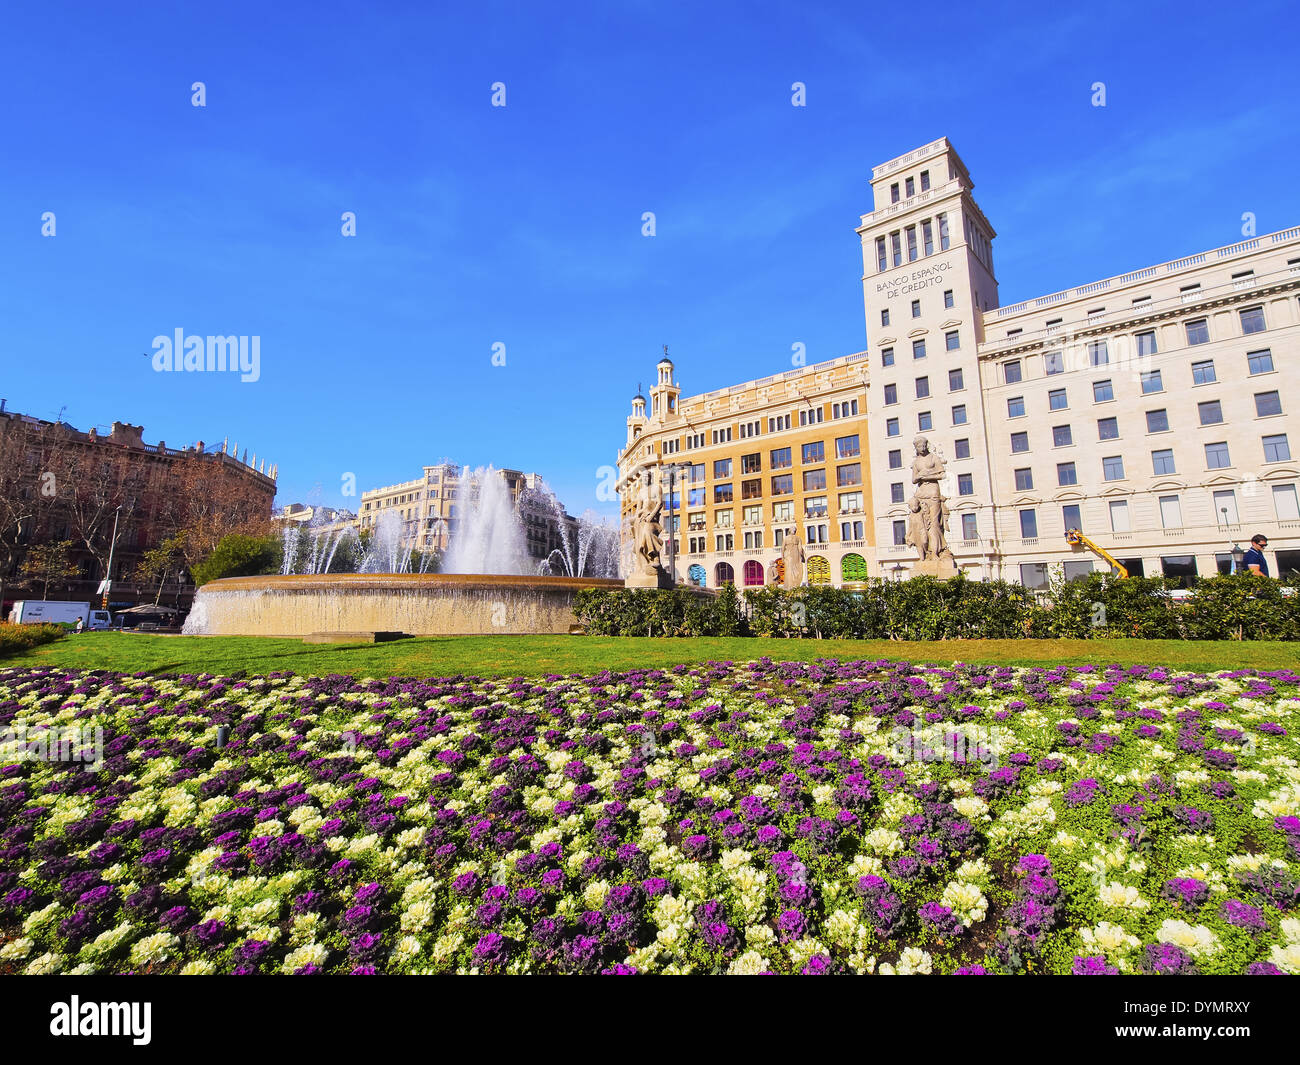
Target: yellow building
{"type": "Point", "coordinates": [739, 468]}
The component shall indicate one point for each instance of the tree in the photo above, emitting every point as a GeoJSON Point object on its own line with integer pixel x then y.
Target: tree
{"type": "Point", "coordinates": [48, 563]}
{"type": "Point", "coordinates": [239, 556]}
{"type": "Point", "coordinates": [159, 561]}
{"type": "Point", "coordinates": [210, 500]}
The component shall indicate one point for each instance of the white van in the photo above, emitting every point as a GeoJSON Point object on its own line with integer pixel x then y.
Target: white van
{"type": "Point", "coordinates": [49, 611]}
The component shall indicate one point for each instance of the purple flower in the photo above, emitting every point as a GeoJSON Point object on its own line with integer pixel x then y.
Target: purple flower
{"type": "Point", "coordinates": [1165, 959]}
{"type": "Point", "coordinates": [490, 952]}
{"type": "Point", "coordinates": [1243, 915]}
{"type": "Point", "coordinates": [1094, 965]}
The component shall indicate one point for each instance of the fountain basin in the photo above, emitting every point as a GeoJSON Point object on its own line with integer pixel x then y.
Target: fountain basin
{"type": "Point", "coordinates": [420, 604]}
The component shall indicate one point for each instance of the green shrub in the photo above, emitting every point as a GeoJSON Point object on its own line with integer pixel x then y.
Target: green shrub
{"type": "Point", "coordinates": [240, 556]}
{"type": "Point", "coordinates": [1242, 606]}
{"type": "Point", "coordinates": [15, 638]}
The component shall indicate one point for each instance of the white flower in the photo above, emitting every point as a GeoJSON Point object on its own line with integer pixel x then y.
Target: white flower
{"type": "Point", "coordinates": [966, 901]}
{"type": "Point", "coordinates": [1197, 940]}
{"type": "Point", "coordinates": [46, 963]}
{"type": "Point", "coordinates": [158, 947]}
{"type": "Point", "coordinates": [1286, 957]}
{"type": "Point", "coordinates": [882, 841]}
{"type": "Point", "coordinates": [913, 962]}
{"type": "Point", "coordinates": [1109, 939]}
{"type": "Point", "coordinates": [310, 954]}
{"type": "Point", "coordinates": [1121, 895]}
{"type": "Point", "coordinates": [751, 963]}
{"type": "Point", "coordinates": [17, 949]}
{"type": "Point", "coordinates": [198, 967]}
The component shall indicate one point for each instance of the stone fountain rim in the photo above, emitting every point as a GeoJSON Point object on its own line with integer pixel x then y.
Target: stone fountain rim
{"type": "Point", "coordinates": [339, 581]}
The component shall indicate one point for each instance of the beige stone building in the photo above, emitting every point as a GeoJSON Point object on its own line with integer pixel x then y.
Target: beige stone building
{"type": "Point", "coordinates": [1157, 410]}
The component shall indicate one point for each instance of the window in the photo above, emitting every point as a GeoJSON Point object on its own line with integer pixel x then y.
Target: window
{"type": "Point", "coordinates": [952, 340]}
{"type": "Point", "coordinates": [881, 261]}
{"type": "Point", "coordinates": [1107, 429]}
{"type": "Point", "coordinates": [925, 181]}
{"type": "Point", "coordinates": [1216, 456]}
{"type": "Point", "coordinates": [1211, 412]}
{"type": "Point", "coordinates": [961, 448]}
{"type": "Point", "coordinates": [751, 489]}
{"type": "Point", "coordinates": [896, 492]}
{"type": "Point", "coordinates": [916, 308]}
{"type": "Point", "coordinates": [922, 388]}
{"type": "Point", "coordinates": [752, 516]}
{"type": "Point", "coordinates": [956, 382]}
{"type": "Point", "coordinates": [748, 429]}
{"type": "Point", "coordinates": [783, 484]}
{"type": "Point", "coordinates": [896, 250]}
{"type": "Point", "coordinates": [927, 238]}
{"type": "Point", "coordinates": [965, 484]}
{"type": "Point", "coordinates": [778, 424]}
{"type": "Point", "coordinates": [1011, 372]}
{"type": "Point", "coordinates": [970, 527]}
{"type": "Point", "coordinates": [815, 506]}
{"type": "Point", "coordinates": [1151, 382]}
{"type": "Point", "coordinates": [1098, 353]}
{"type": "Point", "coordinates": [1019, 443]}
{"type": "Point", "coordinates": [1072, 516]}
{"type": "Point", "coordinates": [814, 480]}
{"type": "Point", "coordinates": [947, 297]}
{"type": "Point", "coordinates": [1056, 399]}
{"type": "Point", "coordinates": [1146, 342]}
{"type": "Point", "coordinates": [847, 409]}
{"type": "Point", "coordinates": [1286, 503]}
{"type": "Point", "coordinates": [723, 518]}
{"type": "Point", "coordinates": [900, 533]}
{"type": "Point", "coordinates": [924, 422]}
{"type": "Point", "coordinates": [1119, 516]}
{"type": "Point", "coordinates": [1102, 392]}
{"type": "Point", "coordinates": [846, 447]}
{"type": "Point", "coordinates": [1276, 448]}
{"type": "Point", "coordinates": [1171, 512]}
{"type": "Point", "coordinates": [1260, 361]}
{"type": "Point", "coordinates": [887, 357]}
{"type": "Point", "coordinates": [1158, 421]}
{"type": "Point", "coordinates": [1066, 474]}
{"type": "Point", "coordinates": [891, 395]}
{"type": "Point", "coordinates": [781, 459]}
{"type": "Point", "coordinates": [1062, 436]}
{"type": "Point", "coordinates": [850, 474]}
{"type": "Point", "coordinates": [1024, 479]}
{"type": "Point", "coordinates": [1203, 372]}
{"type": "Point", "coordinates": [1180, 567]}
{"type": "Point", "coordinates": [850, 502]}
{"type": "Point", "coordinates": [1033, 574]}
{"type": "Point", "coordinates": [943, 231]}
{"type": "Point", "coordinates": [884, 316]}
{"type": "Point", "coordinates": [1016, 407]}
{"type": "Point", "coordinates": [1267, 404]}
{"type": "Point", "coordinates": [1198, 331]}
{"type": "Point", "coordinates": [751, 463]}
{"type": "Point", "coordinates": [895, 460]}
{"type": "Point", "coordinates": [1028, 524]}
{"type": "Point", "coordinates": [891, 428]}
{"type": "Point", "coordinates": [1163, 461]}
{"type": "Point", "coordinates": [754, 539]}
{"type": "Point", "coordinates": [724, 541]}
{"type": "Point", "coordinates": [1053, 363]}
{"type": "Point", "coordinates": [1225, 507]}
{"type": "Point", "coordinates": [1252, 320]}
{"type": "Point", "coordinates": [918, 349]}
{"type": "Point", "coordinates": [722, 493]}
{"type": "Point", "coordinates": [723, 436]}
{"type": "Point", "coordinates": [910, 186]}
{"type": "Point", "coordinates": [814, 452]}
{"type": "Point", "coordinates": [959, 414]}
{"type": "Point", "coordinates": [1112, 467]}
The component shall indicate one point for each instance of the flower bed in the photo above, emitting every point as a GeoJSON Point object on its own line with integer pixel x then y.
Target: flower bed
{"type": "Point", "coordinates": [792, 818]}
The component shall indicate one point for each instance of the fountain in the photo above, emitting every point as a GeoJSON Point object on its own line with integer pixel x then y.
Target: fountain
{"type": "Point", "coordinates": [489, 584]}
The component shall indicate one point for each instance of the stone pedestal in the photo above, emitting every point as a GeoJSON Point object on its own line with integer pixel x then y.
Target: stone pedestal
{"type": "Point", "coordinates": [658, 579]}
{"type": "Point", "coordinates": [934, 567]}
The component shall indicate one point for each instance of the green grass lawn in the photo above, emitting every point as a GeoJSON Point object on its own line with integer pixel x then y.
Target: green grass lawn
{"type": "Point", "coordinates": [535, 655]}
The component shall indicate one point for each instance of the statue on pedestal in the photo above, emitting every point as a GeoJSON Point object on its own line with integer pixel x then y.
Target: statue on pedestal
{"type": "Point", "coordinates": [647, 548]}
{"type": "Point", "coordinates": [792, 555]}
{"type": "Point", "coordinates": [928, 514]}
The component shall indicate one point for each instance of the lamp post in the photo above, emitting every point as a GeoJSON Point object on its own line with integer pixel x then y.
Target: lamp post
{"type": "Point", "coordinates": [108, 571]}
{"type": "Point", "coordinates": [1237, 555]}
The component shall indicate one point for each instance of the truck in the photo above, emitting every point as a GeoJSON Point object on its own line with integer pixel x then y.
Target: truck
{"type": "Point", "coordinates": [47, 611]}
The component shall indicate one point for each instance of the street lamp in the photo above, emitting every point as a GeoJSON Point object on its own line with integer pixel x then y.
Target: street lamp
{"type": "Point", "coordinates": [108, 571]}
{"type": "Point", "coordinates": [1237, 555]}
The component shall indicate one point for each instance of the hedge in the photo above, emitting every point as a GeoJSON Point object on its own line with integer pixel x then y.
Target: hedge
{"type": "Point", "coordinates": [15, 638]}
{"type": "Point", "coordinates": [1242, 606]}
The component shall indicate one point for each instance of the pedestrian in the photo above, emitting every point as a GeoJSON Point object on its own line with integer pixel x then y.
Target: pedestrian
{"type": "Point", "coordinates": [79, 627]}
{"type": "Point", "coordinates": [1253, 561]}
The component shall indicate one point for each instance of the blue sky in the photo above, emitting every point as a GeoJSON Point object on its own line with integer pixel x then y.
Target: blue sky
{"type": "Point", "coordinates": [479, 225]}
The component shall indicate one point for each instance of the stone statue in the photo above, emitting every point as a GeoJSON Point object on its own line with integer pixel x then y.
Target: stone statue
{"type": "Point", "coordinates": [647, 548]}
{"type": "Point", "coordinates": [928, 513]}
{"type": "Point", "coordinates": [793, 557]}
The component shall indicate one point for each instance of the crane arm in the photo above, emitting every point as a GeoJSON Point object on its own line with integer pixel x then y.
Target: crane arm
{"type": "Point", "coordinates": [1076, 537]}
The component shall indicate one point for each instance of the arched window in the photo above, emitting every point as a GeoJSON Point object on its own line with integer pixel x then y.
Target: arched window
{"type": "Point", "coordinates": [696, 575]}
{"type": "Point", "coordinates": [723, 574]}
{"type": "Point", "coordinates": [853, 567]}
{"type": "Point", "coordinates": [753, 573]}
{"type": "Point", "coordinates": [819, 570]}
{"type": "Point", "coordinates": [776, 572]}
